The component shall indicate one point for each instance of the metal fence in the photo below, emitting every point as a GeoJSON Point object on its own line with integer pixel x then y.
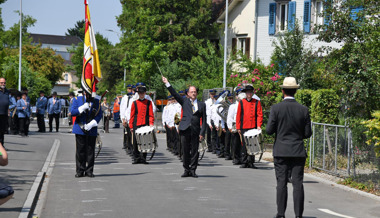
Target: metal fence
{"type": "Point", "coordinates": [330, 149]}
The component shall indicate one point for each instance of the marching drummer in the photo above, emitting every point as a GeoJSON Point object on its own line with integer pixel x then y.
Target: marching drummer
{"type": "Point", "coordinates": [249, 116]}
{"type": "Point", "coordinates": [141, 115]}
{"type": "Point", "coordinates": [231, 124]}
{"type": "Point", "coordinates": [125, 102]}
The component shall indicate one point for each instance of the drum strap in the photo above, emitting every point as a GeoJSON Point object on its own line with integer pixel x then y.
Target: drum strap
{"type": "Point", "coordinates": [147, 114]}
{"type": "Point", "coordinates": [256, 114]}
{"type": "Point", "coordinates": [242, 115]}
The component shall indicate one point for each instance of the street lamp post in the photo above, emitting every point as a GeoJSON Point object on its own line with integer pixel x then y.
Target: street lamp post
{"type": "Point", "coordinates": [225, 46]}
{"type": "Point", "coordinates": [19, 64]}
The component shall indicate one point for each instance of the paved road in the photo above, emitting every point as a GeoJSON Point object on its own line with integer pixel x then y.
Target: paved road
{"type": "Point", "coordinates": [121, 189]}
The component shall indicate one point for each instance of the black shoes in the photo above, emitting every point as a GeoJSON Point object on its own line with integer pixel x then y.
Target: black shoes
{"type": "Point", "coordinates": [91, 175]}
{"type": "Point", "coordinates": [78, 175]}
{"type": "Point", "coordinates": [228, 158]}
{"type": "Point", "coordinates": [139, 161]}
{"type": "Point", "coordinates": [185, 174]}
{"type": "Point", "coordinates": [193, 174]}
{"type": "Point", "coordinates": [221, 156]}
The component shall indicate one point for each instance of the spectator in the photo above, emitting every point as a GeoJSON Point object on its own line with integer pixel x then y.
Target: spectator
{"type": "Point", "coordinates": [116, 112]}
{"type": "Point", "coordinates": [23, 112]}
{"type": "Point", "coordinates": [54, 110]}
{"type": "Point", "coordinates": [4, 107]}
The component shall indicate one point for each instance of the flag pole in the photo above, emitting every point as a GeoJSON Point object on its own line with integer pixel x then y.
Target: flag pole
{"type": "Point", "coordinates": [19, 60]}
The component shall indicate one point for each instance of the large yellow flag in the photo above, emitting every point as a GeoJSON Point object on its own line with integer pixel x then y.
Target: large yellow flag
{"type": "Point", "coordinates": [91, 73]}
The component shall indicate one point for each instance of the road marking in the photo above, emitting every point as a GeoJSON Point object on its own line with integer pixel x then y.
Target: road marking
{"type": "Point", "coordinates": [334, 213]}
{"type": "Point", "coordinates": [39, 188]}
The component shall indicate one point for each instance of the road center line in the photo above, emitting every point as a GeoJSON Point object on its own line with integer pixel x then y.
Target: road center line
{"type": "Point", "coordinates": [334, 213]}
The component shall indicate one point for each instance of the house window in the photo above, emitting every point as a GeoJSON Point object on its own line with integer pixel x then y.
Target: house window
{"type": "Point", "coordinates": [318, 16]}
{"type": "Point", "coordinates": [66, 77]}
{"type": "Point", "coordinates": [241, 44]}
{"type": "Point", "coordinates": [283, 16]}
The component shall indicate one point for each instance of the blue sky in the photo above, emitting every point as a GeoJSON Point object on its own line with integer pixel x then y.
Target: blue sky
{"type": "Point", "coordinates": [54, 17]}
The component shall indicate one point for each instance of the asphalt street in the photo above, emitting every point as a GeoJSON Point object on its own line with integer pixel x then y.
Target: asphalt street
{"type": "Point", "coordinates": [121, 189]}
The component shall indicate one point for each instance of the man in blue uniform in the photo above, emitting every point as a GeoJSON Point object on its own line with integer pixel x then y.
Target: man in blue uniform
{"type": "Point", "coordinates": [41, 107]}
{"type": "Point", "coordinates": [88, 115]}
{"type": "Point", "coordinates": [54, 110]}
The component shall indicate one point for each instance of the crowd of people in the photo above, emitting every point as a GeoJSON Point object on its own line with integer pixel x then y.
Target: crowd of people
{"type": "Point", "coordinates": [187, 121]}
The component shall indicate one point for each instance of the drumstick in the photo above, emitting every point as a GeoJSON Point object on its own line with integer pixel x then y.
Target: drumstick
{"type": "Point", "coordinates": [158, 67]}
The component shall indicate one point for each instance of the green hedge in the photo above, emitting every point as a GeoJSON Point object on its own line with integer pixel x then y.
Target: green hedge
{"type": "Point", "coordinates": [303, 96]}
{"type": "Point", "coordinates": [324, 106]}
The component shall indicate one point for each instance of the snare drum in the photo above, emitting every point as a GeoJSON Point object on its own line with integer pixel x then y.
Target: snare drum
{"type": "Point", "coordinates": [253, 141]}
{"type": "Point", "coordinates": [146, 139]}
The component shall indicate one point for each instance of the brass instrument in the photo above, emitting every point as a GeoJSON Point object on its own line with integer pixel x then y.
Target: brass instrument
{"type": "Point", "coordinates": [224, 104]}
{"type": "Point", "coordinates": [177, 118]}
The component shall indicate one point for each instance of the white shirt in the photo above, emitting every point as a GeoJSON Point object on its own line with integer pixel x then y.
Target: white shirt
{"type": "Point", "coordinates": [124, 106]}
{"type": "Point", "coordinates": [289, 97]}
{"type": "Point", "coordinates": [195, 104]}
{"type": "Point", "coordinates": [209, 102]}
{"type": "Point", "coordinates": [232, 112]}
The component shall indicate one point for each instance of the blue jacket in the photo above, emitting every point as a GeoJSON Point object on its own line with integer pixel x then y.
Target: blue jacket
{"type": "Point", "coordinates": [12, 105]}
{"type": "Point", "coordinates": [77, 102]}
{"type": "Point", "coordinates": [4, 102]}
{"type": "Point", "coordinates": [54, 108]}
{"type": "Point", "coordinates": [41, 105]}
{"type": "Point", "coordinates": [22, 113]}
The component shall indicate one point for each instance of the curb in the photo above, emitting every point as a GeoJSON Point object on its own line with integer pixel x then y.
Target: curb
{"type": "Point", "coordinates": [35, 191]}
{"type": "Point", "coordinates": [346, 188]}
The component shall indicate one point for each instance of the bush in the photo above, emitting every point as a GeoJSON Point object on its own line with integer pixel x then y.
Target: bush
{"type": "Point", "coordinates": [303, 96]}
{"type": "Point", "coordinates": [374, 132]}
{"type": "Point", "coordinates": [324, 106]}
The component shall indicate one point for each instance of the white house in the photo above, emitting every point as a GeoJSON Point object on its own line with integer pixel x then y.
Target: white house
{"type": "Point", "coordinates": [60, 45]}
{"type": "Point", "coordinates": [254, 24]}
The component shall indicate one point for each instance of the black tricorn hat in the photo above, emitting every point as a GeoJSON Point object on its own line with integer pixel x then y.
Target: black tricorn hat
{"type": "Point", "coordinates": [248, 88]}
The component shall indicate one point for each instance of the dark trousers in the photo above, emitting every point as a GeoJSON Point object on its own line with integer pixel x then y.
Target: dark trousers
{"type": "Point", "coordinates": [168, 138]}
{"type": "Point", "coordinates": [106, 124]}
{"type": "Point", "coordinates": [14, 125]}
{"type": "Point", "coordinates": [3, 127]}
{"type": "Point", "coordinates": [127, 141]}
{"type": "Point", "coordinates": [221, 140]}
{"type": "Point", "coordinates": [24, 125]}
{"type": "Point", "coordinates": [282, 166]}
{"type": "Point", "coordinates": [227, 143]}
{"type": "Point", "coordinates": [174, 141]}
{"type": "Point", "coordinates": [208, 135]}
{"type": "Point", "coordinates": [41, 123]}
{"type": "Point", "coordinates": [214, 138]}
{"type": "Point", "coordinates": [236, 147]}
{"type": "Point", "coordinates": [56, 117]}
{"type": "Point", "coordinates": [246, 158]}
{"type": "Point", "coordinates": [85, 153]}
{"type": "Point", "coordinates": [137, 155]}
{"type": "Point", "coordinates": [190, 142]}
{"type": "Point", "coordinates": [116, 119]}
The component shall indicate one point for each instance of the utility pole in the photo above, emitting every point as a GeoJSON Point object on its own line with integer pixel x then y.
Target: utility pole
{"type": "Point", "coordinates": [19, 64]}
{"type": "Point", "coordinates": [225, 47]}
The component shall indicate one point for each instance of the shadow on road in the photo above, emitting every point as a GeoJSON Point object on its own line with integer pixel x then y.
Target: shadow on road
{"type": "Point", "coordinates": [120, 174]}
{"type": "Point", "coordinates": [212, 176]}
{"type": "Point", "coordinates": [310, 182]}
{"type": "Point", "coordinates": [10, 209]}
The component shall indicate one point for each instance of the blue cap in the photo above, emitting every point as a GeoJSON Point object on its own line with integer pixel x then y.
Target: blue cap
{"type": "Point", "coordinates": [212, 91]}
{"type": "Point", "coordinates": [230, 95]}
{"type": "Point", "coordinates": [180, 92]}
{"type": "Point", "coordinates": [133, 87]}
{"type": "Point", "coordinates": [169, 97]}
{"type": "Point", "coordinates": [129, 93]}
{"type": "Point", "coordinates": [140, 84]}
{"type": "Point", "coordinates": [239, 90]}
{"type": "Point", "coordinates": [129, 86]}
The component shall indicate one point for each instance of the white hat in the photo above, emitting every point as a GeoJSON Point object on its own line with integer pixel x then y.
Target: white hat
{"type": "Point", "coordinates": [290, 83]}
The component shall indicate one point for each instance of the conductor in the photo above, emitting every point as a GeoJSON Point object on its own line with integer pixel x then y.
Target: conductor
{"type": "Point", "coordinates": [190, 129]}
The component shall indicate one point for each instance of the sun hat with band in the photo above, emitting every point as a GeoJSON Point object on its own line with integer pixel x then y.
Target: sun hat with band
{"type": "Point", "coordinates": [290, 83]}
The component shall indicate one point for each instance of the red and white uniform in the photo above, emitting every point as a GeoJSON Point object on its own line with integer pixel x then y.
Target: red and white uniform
{"type": "Point", "coordinates": [246, 117]}
{"type": "Point", "coordinates": [141, 114]}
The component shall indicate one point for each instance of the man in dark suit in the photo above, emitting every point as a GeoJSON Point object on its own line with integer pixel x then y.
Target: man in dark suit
{"type": "Point", "coordinates": [290, 121]}
{"type": "Point", "coordinates": [190, 129]}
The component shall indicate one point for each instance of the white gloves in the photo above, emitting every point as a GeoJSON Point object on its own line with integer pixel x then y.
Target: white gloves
{"type": "Point", "coordinates": [84, 107]}
{"type": "Point", "coordinates": [90, 125]}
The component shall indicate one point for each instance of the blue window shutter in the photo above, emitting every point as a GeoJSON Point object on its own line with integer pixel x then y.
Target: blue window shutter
{"type": "Point", "coordinates": [272, 18]}
{"type": "Point", "coordinates": [327, 17]}
{"type": "Point", "coordinates": [354, 13]}
{"type": "Point", "coordinates": [291, 15]}
{"type": "Point", "coordinates": [306, 16]}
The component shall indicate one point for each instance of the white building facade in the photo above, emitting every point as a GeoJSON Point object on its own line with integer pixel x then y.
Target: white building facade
{"type": "Point", "coordinates": [260, 22]}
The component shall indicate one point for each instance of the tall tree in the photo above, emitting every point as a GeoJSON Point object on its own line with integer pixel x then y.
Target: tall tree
{"type": "Point", "coordinates": [10, 38]}
{"type": "Point", "coordinates": [161, 29]}
{"type": "Point", "coordinates": [77, 30]}
{"type": "Point", "coordinates": [356, 24]}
